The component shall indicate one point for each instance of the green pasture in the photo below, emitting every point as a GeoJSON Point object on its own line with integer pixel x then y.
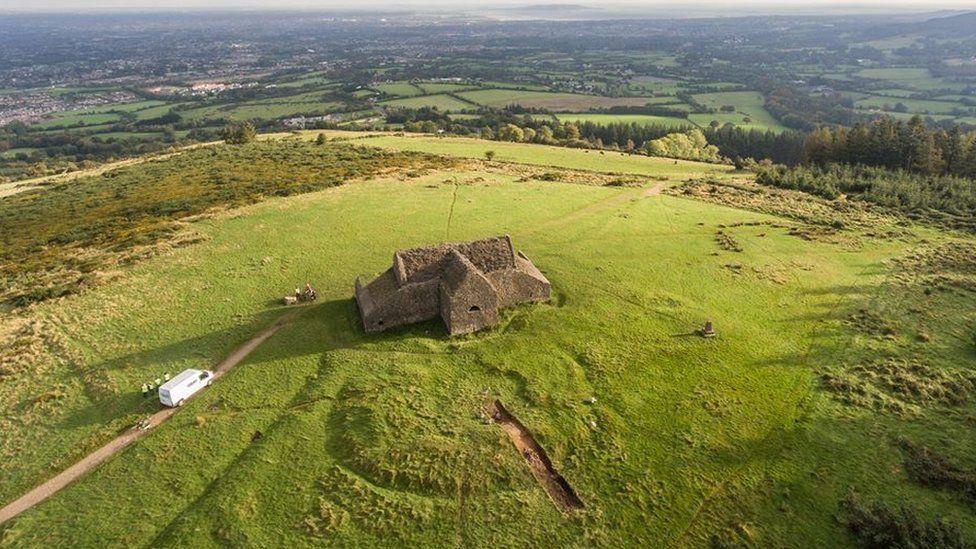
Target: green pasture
{"type": "Point", "coordinates": [77, 119]}
{"type": "Point", "coordinates": [443, 87]}
{"type": "Point", "coordinates": [311, 79]}
{"type": "Point", "coordinates": [442, 101]}
{"type": "Point", "coordinates": [911, 77]}
{"type": "Point", "coordinates": [748, 104]}
{"type": "Point", "coordinates": [549, 100]}
{"type": "Point", "coordinates": [261, 110]}
{"type": "Point", "coordinates": [328, 436]}
{"type": "Point", "coordinates": [543, 155]}
{"type": "Point", "coordinates": [513, 85]}
{"type": "Point", "coordinates": [643, 119]}
{"type": "Point", "coordinates": [400, 89]}
{"type": "Point", "coordinates": [914, 105]}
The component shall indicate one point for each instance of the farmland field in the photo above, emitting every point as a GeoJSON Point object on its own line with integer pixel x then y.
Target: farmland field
{"type": "Point", "coordinates": [553, 101]}
{"type": "Point", "coordinates": [443, 87]}
{"type": "Point", "coordinates": [77, 119]}
{"type": "Point", "coordinates": [913, 105]}
{"type": "Point", "coordinates": [442, 101]}
{"type": "Point", "coordinates": [262, 109]}
{"type": "Point", "coordinates": [401, 89]}
{"type": "Point", "coordinates": [542, 155]}
{"type": "Point", "coordinates": [627, 119]}
{"type": "Point", "coordinates": [328, 436]}
{"type": "Point", "coordinates": [748, 105]}
{"type": "Point", "coordinates": [912, 78]}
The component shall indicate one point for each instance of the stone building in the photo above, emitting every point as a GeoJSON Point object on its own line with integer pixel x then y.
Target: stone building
{"type": "Point", "coordinates": [463, 283]}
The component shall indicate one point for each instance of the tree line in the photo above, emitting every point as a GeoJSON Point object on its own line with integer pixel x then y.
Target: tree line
{"type": "Point", "coordinates": [947, 199]}
{"type": "Point", "coordinates": [895, 145]}
{"type": "Point", "coordinates": [732, 142]}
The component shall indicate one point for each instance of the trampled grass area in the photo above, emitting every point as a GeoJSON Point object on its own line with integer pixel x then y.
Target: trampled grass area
{"type": "Point", "coordinates": [326, 436]}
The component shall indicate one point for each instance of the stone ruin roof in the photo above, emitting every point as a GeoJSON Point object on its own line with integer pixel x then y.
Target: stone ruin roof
{"type": "Point", "coordinates": [463, 283]}
{"type": "Point", "coordinates": [420, 264]}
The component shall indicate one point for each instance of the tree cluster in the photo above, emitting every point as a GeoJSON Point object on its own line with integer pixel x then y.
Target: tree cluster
{"type": "Point", "coordinates": [689, 145]}
{"type": "Point", "coordinates": [895, 145]}
{"type": "Point", "coordinates": [952, 198]}
{"type": "Point", "coordinates": [239, 133]}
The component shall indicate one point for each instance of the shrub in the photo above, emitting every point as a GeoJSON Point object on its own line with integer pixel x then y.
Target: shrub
{"type": "Point", "coordinates": [881, 526]}
{"type": "Point", "coordinates": [935, 471]}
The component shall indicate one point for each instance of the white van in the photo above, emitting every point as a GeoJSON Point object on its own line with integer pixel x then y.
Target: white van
{"type": "Point", "coordinates": [175, 391]}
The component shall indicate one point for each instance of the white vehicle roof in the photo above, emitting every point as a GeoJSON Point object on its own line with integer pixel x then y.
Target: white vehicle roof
{"type": "Point", "coordinates": [180, 379]}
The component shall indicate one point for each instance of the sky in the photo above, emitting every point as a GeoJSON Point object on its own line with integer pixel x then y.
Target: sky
{"type": "Point", "coordinates": [732, 7]}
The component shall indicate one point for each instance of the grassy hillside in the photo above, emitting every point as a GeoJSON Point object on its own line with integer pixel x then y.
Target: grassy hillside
{"type": "Point", "coordinates": [329, 436]}
{"type": "Point", "coordinates": [538, 155]}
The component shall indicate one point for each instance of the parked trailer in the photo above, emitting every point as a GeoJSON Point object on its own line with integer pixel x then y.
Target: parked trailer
{"type": "Point", "coordinates": [175, 391]}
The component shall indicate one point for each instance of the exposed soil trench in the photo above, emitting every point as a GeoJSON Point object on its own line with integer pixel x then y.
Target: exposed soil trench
{"type": "Point", "coordinates": [559, 490]}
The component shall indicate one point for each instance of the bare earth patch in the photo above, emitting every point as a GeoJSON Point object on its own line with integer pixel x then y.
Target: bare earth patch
{"type": "Point", "coordinates": [559, 490]}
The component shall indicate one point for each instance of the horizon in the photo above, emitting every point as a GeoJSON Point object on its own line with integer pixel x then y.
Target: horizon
{"type": "Point", "coordinates": [691, 8]}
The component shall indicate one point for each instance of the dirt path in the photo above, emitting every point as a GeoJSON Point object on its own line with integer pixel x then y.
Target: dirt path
{"type": "Point", "coordinates": [560, 492]}
{"type": "Point", "coordinates": [655, 189]}
{"type": "Point", "coordinates": [89, 462]}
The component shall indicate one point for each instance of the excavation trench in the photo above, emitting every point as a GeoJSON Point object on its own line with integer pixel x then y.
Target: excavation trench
{"type": "Point", "coordinates": [560, 492]}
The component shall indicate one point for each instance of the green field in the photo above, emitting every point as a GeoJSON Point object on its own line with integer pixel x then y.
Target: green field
{"type": "Point", "coordinates": [513, 85]}
{"type": "Point", "coordinates": [312, 79]}
{"type": "Point", "coordinates": [654, 85]}
{"type": "Point", "coordinates": [443, 87]}
{"type": "Point", "coordinates": [913, 105]}
{"type": "Point", "coordinates": [549, 100]}
{"type": "Point", "coordinates": [128, 135]}
{"type": "Point", "coordinates": [913, 78]}
{"type": "Point", "coordinates": [749, 113]}
{"type": "Point", "coordinates": [400, 89]}
{"type": "Point", "coordinates": [544, 155]}
{"type": "Point", "coordinates": [265, 109]}
{"type": "Point", "coordinates": [643, 119]}
{"type": "Point", "coordinates": [443, 102]}
{"type": "Point", "coordinates": [77, 119]}
{"type": "Point", "coordinates": [10, 153]}
{"type": "Point", "coordinates": [328, 436]}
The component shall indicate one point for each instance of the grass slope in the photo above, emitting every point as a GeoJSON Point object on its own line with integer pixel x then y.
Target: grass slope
{"type": "Point", "coordinates": [541, 155]}
{"type": "Point", "coordinates": [328, 436]}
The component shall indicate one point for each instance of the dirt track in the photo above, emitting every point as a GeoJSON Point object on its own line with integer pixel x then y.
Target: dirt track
{"type": "Point", "coordinates": [654, 190]}
{"type": "Point", "coordinates": [89, 462]}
